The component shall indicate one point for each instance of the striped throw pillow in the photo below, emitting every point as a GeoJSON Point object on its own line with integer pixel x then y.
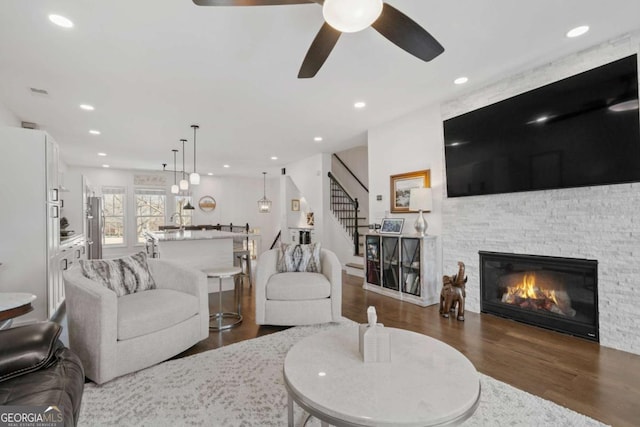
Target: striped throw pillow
{"type": "Point", "coordinates": [123, 276]}
{"type": "Point", "coordinates": [299, 258]}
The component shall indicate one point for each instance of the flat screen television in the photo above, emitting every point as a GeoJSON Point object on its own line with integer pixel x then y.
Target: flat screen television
{"type": "Point", "coordinates": [580, 131]}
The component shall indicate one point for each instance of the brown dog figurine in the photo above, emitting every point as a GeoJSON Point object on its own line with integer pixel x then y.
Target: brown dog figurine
{"type": "Point", "coordinates": [453, 293]}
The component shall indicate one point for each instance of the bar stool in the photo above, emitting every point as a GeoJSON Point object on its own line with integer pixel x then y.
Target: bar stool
{"type": "Point", "coordinates": [225, 273]}
{"type": "Point", "coordinates": [244, 256]}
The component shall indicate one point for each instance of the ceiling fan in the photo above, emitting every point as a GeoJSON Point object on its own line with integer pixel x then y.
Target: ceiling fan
{"type": "Point", "coordinates": [351, 16]}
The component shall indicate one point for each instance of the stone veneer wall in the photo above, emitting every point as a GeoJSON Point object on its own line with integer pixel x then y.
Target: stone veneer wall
{"type": "Point", "coordinates": [601, 222]}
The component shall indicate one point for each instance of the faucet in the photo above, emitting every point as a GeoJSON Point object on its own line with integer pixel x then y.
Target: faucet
{"type": "Point", "coordinates": [180, 219]}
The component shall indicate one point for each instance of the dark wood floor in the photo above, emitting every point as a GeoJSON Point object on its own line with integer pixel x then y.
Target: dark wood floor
{"type": "Point", "coordinates": [596, 381]}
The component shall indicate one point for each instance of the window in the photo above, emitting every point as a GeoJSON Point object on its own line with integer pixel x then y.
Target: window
{"type": "Point", "coordinates": [150, 211]}
{"type": "Point", "coordinates": [113, 212]}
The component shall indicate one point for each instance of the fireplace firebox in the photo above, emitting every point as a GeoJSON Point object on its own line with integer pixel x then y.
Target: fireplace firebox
{"type": "Point", "coordinates": [550, 292]}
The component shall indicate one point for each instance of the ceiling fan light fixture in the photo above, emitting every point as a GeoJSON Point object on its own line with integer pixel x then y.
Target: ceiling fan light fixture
{"type": "Point", "coordinates": [350, 16]}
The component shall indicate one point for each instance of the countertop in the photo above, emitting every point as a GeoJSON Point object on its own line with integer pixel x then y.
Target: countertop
{"type": "Point", "coordinates": [171, 235]}
{"type": "Point", "coordinates": [71, 240]}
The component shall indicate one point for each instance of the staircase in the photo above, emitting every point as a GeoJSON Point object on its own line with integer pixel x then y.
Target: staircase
{"type": "Point", "coordinates": [349, 202]}
{"type": "Point", "coordinates": [347, 211]}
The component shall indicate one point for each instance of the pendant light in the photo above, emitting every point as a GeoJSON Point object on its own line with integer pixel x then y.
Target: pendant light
{"type": "Point", "coordinates": [184, 184]}
{"type": "Point", "coordinates": [174, 188]}
{"type": "Point", "coordinates": [264, 204]}
{"type": "Point", "coordinates": [188, 206]}
{"type": "Point", "coordinates": [194, 178]}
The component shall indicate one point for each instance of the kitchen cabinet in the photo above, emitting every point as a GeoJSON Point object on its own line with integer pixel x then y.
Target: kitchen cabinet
{"type": "Point", "coordinates": [402, 267]}
{"type": "Point", "coordinates": [71, 252]}
{"type": "Point", "coordinates": [30, 217]}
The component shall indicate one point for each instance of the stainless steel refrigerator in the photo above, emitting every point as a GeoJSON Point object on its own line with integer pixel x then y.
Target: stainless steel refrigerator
{"type": "Point", "coordinates": [95, 225]}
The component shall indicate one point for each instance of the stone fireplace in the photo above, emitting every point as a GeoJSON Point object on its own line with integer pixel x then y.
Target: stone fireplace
{"type": "Point", "coordinates": [599, 222]}
{"type": "Point", "coordinates": [551, 292]}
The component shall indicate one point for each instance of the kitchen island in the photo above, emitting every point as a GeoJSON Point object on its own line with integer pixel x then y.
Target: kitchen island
{"type": "Point", "coordinates": [199, 249]}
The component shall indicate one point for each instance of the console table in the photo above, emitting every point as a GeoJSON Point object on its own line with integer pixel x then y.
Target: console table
{"type": "Point", "coordinates": [402, 267]}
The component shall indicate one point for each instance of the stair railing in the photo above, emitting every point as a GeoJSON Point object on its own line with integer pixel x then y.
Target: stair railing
{"type": "Point", "coordinates": [348, 169]}
{"type": "Point", "coordinates": [275, 241]}
{"type": "Point", "coordinates": [346, 209]}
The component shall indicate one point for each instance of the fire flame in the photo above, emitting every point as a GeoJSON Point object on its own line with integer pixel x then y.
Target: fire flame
{"type": "Point", "coordinates": [528, 289]}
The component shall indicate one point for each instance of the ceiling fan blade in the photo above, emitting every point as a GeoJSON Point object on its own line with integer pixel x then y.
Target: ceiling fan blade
{"type": "Point", "coordinates": [319, 50]}
{"type": "Point", "coordinates": [249, 2]}
{"type": "Point", "coordinates": [407, 34]}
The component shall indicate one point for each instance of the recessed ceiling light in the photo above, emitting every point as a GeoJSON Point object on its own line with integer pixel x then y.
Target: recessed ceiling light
{"type": "Point", "coordinates": [461, 80]}
{"type": "Point", "coordinates": [102, 154]}
{"type": "Point", "coordinates": [226, 166]}
{"type": "Point", "coordinates": [61, 21]}
{"type": "Point", "coordinates": [577, 31]}
{"type": "Point", "coordinates": [274, 158]}
{"type": "Point", "coordinates": [360, 104]}
{"type": "Point", "coordinates": [94, 132]}
{"type": "Point", "coordinates": [87, 107]}
{"type": "Point", "coordinates": [106, 166]}
{"type": "Point", "coordinates": [318, 139]}
{"type": "Point", "coordinates": [210, 174]}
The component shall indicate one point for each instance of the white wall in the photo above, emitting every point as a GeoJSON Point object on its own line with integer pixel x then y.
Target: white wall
{"type": "Point", "coordinates": [310, 178]}
{"type": "Point", "coordinates": [7, 117]}
{"type": "Point", "coordinates": [236, 199]}
{"type": "Point", "coordinates": [595, 222]}
{"type": "Point", "coordinates": [411, 143]}
{"type": "Point", "coordinates": [293, 219]}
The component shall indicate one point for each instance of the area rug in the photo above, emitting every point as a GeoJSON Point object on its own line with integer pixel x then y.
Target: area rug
{"type": "Point", "coordinates": [242, 385]}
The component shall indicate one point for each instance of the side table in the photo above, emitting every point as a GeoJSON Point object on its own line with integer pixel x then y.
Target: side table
{"type": "Point", "coordinates": [14, 304]}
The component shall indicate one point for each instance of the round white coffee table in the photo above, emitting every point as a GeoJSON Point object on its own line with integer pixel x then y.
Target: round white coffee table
{"type": "Point", "coordinates": [427, 382]}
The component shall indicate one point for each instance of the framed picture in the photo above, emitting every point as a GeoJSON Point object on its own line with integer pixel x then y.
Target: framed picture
{"type": "Point", "coordinates": [310, 219]}
{"type": "Point", "coordinates": [295, 204]}
{"type": "Point", "coordinates": [207, 203]}
{"type": "Point", "coordinates": [392, 225]}
{"type": "Point", "coordinates": [401, 186]}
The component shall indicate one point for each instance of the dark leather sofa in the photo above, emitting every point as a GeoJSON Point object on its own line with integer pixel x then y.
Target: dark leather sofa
{"type": "Point", "coordinates": [36, 369]}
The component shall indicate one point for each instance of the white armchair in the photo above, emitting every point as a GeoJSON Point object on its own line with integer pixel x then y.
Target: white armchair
{"type": "Point", "coordinates": [289, 299]}
{"type": "Point", "coordinates": [114, 335]}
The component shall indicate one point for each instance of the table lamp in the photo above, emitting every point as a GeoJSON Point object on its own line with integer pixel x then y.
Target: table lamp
{"type": "Point", "coordinates": [420, 200]}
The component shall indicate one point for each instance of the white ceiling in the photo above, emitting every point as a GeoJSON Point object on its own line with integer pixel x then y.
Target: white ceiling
{"type": "Point", "coordinates": [152, 68]}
